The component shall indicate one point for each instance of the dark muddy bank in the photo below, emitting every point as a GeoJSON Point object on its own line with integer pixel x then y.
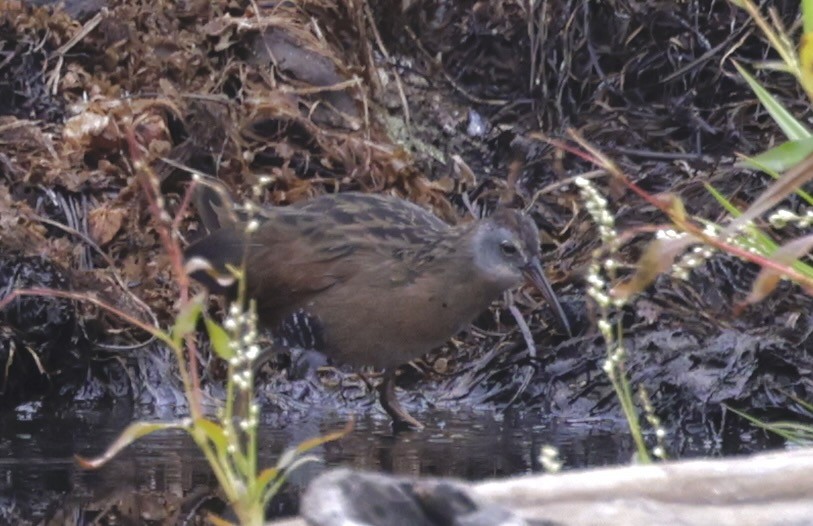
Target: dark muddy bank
{"type": "Point", "coordinates": [433, 101]}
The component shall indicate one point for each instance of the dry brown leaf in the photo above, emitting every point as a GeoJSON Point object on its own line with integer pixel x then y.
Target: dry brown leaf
{"type": "Point", "coordinates": [105, 223]}
{"type": "Point", "coordinates": [91, 130]}
{"type": "Point", "coordinates": [657, 258]}
{"type": "Point", "coordinates": [768, 278]}
{"type": "Point", "coordinates": [793, 179]}
{"type": "Point", "coordinates": [676, 209]}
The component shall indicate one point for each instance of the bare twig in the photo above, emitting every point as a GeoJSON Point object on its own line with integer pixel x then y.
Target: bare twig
{"type": "Point", "coordinates": [90, 25]}
{"type": "Point", "coordinates": [380, 43]}
{"type": "Point", "coordinates": [116, 276]}
{"type": "Point", "coordinates": [86, 298]}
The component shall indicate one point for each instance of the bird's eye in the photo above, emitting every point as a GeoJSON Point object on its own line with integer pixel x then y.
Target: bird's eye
{"type": "Point", "coordinates": [508, 248]}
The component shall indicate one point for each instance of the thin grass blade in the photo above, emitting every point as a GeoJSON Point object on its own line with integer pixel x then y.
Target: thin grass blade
{"type": "Point", "coordinates": [132, 433]}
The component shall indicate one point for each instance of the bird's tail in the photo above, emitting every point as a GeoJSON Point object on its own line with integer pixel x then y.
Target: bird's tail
{"type": "Point", "coordinates": [212, 259]}
{"type": "Point", "coordinates": [215, 204]}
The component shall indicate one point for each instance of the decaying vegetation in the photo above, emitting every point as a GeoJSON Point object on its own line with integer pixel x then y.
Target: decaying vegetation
{"type": "Point", "coordinates": [439, 102]}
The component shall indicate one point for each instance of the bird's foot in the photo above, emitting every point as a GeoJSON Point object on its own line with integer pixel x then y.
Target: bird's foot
{"type": "Point", "coordinates": [400, 418]}
{"type": "Point", "coordinates": [403, 421]}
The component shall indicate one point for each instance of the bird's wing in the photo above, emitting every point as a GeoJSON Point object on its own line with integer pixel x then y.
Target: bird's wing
{"type": "Point", "coordinates": [377, 216]}
{"type": "Point", "coordinates": [303, 249]}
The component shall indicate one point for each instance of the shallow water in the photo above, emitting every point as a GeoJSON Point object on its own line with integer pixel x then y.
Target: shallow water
{"type": "Point", "coordinates": [162, 478]}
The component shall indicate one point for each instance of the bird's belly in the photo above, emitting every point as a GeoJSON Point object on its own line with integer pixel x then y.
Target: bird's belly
{"type": "Point", "coordinates": [384, 334]}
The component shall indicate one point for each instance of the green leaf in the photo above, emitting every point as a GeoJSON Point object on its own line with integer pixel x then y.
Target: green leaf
{"type": "Point", "coordinates": [803, 403]}
{"type": "Point", "coordinates": [213, 432]}
{"type": "Point", "coordinates": [765, 244]}
{"type": "Point", "coordinates": [788, 183]}
{"type": "Point", "coordinates": [774, 65]}
{"type": "Point", "coordinates": [240, 462]}
{"type": "Point", "coordinates": [725, 203]}
{"type": "Point", "coordinates": [221, 342]}
{"type": "Point", "coordinates": [187, 319]}
{"type": "Point", "coordinates": [782, 157]}
{"type": "Point", "coordinates": [269, 490]}
{"type": "Point", "coordinates": [753, 162]}
{"type": "Point", "coordinates": [267, 475]}
{"type": "Point", "coordinates": [132, 433]}
{"type": "Point", "coordinates": [217, 520]}
{"type": "Point", "coordinates": [807, 15]}
{"type": "Point", "coordinates": [806, 51]}
{"type": "Point", "coordinates": [793, 431]}
{"type": "Point", "coordinates": [293, 457]}
{"type": "Point", "coordinates": [792, 128]}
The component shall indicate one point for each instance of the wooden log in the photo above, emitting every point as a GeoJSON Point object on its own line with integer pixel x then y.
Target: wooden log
{"type": "Point", "coordinates": [763, 489]}
{"type": "Point", "coordinates": [760, 490]}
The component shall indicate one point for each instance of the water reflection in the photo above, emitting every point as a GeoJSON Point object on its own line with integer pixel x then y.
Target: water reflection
{"type": "Point", "coordinates": [164, 480]}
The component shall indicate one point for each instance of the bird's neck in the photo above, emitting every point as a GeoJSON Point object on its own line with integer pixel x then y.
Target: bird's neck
{"type": "Point", "coordinates": [478, 287]}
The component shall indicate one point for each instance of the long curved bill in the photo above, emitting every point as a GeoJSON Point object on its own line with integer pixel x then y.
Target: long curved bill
{"type": "Point", "coordinates": [533, 272]}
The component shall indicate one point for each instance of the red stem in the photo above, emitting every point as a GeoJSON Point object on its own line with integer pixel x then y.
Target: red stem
{"type": "Point", "coordinates": [170, 243]}
{"type": "Point", "coordinates": [594, 156]}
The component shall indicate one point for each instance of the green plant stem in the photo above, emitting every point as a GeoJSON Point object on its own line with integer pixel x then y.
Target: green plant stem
{"type": "Point", "coordinates": [223, 478]}
{"type": "Point", "coordinates": [779, 45]}
{"type": "Point", "coordinates": [252, 436]}
{"type": "Point", "coordinates": [632, 416]}
{"type": "Point", "coordinates": [622, 387]}
{"type": "Point", "coordinates": [596, 157]}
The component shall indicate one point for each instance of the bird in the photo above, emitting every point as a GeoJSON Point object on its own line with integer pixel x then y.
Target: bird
{"type": "Point", "coordinates": [366, 279]}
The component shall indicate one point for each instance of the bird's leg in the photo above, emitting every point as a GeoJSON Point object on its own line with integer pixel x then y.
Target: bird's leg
{"type": "Point", "coordinates": [400, 418]}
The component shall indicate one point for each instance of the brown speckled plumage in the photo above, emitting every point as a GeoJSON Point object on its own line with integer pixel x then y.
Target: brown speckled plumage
{"type": "Point", "coordinates": [380, 279]}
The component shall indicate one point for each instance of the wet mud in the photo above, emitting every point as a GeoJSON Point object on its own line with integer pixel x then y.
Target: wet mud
{"type": "Point", "coordinates": [434, 101]}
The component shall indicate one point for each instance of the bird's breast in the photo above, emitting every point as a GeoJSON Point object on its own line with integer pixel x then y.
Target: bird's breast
{"type": "Point", "coordinates": [380, 324]}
